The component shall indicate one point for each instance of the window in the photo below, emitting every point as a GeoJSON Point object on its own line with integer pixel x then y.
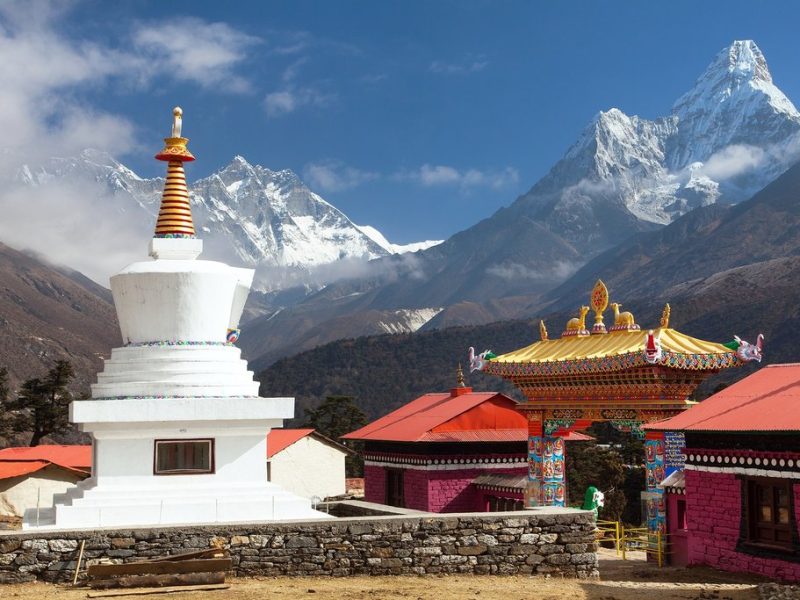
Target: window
{"type": "Point", "coordinates": [769, 512]}
{"type": "Point", "coordinates": [394, 488]}
{"type": "Point", "coordinates": [183, 457]}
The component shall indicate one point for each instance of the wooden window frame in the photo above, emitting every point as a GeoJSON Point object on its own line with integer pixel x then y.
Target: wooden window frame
{"type": "Point", "coordinates": [211, 457]}
{"type": "Point", "coordinates": [749, 538]}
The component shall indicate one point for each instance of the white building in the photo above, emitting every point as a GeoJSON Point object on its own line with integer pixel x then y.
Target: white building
{"type": "Point", "coordinates": [306, 463]}
{"type": "Point", "coordinates": [178, 427]}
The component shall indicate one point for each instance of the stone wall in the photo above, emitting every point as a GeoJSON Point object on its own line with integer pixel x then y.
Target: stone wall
{"type": "Point", "coordinates": [713, 513]}
{"type": "Point", "coordinates": [560, 542]}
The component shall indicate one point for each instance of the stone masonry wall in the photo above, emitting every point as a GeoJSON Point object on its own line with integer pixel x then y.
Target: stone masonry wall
{"type": "Point", "coordinates": [527, 542]}
{"type": "Point", "coordinates": [713, 513]}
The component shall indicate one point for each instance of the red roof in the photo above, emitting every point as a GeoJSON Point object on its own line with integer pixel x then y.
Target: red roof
{"type": "Point", "coordinates": [15, 462]}
{"type": "Point", "coordinates": [476, 414]}
{"type": "Point", "coordinates": [75, 457]}
{"type": "Point", "coordinates": [767, 400]}
{"type": "Point", "coordinates": [280, 439]}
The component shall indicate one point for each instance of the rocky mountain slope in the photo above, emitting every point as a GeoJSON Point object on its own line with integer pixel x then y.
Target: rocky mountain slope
{"type": "Point", "coordinates": [48, 314]}
{"type": "Point", "coordinates": [732, 133]}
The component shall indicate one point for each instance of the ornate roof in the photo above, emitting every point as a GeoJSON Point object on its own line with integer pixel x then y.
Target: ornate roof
{"type": "Point", "coordinates": [615, 351]}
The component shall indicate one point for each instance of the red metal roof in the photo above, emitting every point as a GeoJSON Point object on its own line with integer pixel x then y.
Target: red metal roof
{"type": "Point", "coordinates": [71, 457]}
{"type": "Point", "coordinates": [15, 468]}
{"type": "Point", "coordinates": [767, 400]}
{"type": "Point", "coordinates": [421, 417]}
{"type": "Point", "coordinates": [280, 439]}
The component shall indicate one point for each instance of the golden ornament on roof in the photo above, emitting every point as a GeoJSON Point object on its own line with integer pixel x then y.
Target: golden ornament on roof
{"type": "Point", "coordinates": [599, 304]}
{"type": "Point", "coordinates": [665, 316]}
{"type": "Point", "coordinates": [622, 319]}
{"type": "Point", "coordinates": [542, 331]}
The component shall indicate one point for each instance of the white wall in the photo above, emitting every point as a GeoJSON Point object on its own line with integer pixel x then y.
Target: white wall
{"type": "Point", "coordinates": [309, 468]}
{"type": "Point", "coordinates": [19, 493]}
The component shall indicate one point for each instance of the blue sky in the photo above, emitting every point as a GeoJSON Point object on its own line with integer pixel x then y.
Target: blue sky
{"type": "Point", "coordinates": [419, 118]}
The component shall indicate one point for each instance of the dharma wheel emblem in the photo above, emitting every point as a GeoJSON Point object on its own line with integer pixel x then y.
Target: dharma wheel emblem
{"type": "Point", "coordinates": [599, 304]}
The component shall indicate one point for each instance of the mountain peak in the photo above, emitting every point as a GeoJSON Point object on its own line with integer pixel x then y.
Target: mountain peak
{"type": "Point", "coordinates": [743, 59]}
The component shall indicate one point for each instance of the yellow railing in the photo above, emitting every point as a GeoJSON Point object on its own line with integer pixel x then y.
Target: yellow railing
{"type": "Point", "coordinates": [643, 540]}
{"type": "Point", "coordinates": [610, 530]}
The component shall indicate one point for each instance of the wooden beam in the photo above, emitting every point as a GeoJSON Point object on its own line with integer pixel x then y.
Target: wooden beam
{"type": "Point", "coordinates": [208, 552]}
{"type": "Point", "coordinates": [202, 565]}
{"type": "Point", "coordinates": [163, 590]}
{"type": "Point", "coordinates": [163, 580]}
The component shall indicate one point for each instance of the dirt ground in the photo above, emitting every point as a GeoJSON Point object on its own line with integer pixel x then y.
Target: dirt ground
{"type": "Point", "coordinates": [619, 580]}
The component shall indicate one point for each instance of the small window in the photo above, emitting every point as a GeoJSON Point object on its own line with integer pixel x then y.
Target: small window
{"type": "Point", "coordinates": [183, 457]}
{"type": "Point", "coordinates": [769, 512]}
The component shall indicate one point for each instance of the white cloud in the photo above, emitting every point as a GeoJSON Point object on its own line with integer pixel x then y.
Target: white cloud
{"type": "Point", "coordinates": [441, 175]}
{"type": "Point", "coordinates": [289, 99]}
{"type": "Point", "coordinates": [292, 96]}
{"type": "Point", "coordinates": [469, 65]}
{"type": "Point", "coordinates": [732, 161]}
{"type": "Point", "coordinates": [194, 50]}
{"type": "Point", "coordinates": [335, 176]}
{"type": "Point", "coordinates": [47, 109]}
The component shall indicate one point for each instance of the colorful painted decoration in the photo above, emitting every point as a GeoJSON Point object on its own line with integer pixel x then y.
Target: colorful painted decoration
{"type": "Point", "coordinates": [233, 335]}
{"type": "Point", "coordinates": [478, 362]}
{"type": "Point", "coordinates": [747, 351]}
{"type": "Point", "coordinates": [652, 348]}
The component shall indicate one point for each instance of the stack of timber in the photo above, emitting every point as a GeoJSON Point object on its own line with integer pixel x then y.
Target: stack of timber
{"type": "Point", "coordinates": [200, 570]}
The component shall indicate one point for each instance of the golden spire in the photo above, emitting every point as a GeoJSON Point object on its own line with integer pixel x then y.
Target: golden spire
{"type": "Point", "coordinates": [460, 376]}
{"type": "Point", "coordinates": [665, 316]}
{"type": "Point", "coordinates": [542, 330]}
{"type": "Point", "coordinates": [175, 215]}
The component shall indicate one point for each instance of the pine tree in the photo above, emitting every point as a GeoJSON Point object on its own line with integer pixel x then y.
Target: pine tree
{"type": "Point", "coordinates": [42, 405]}
{"type": "Point", "coordinates": [336, 416]}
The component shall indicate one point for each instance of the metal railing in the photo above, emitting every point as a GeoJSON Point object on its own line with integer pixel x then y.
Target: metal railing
{"type": "Point", "coordinates": [643, 540]}
{"type": "Point", "coordinates": [608, 531]}
{"type": "Point", "coordinates": [628, 539]}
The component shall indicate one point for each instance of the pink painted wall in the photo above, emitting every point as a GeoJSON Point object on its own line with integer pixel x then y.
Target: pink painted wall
{"type": "Point", "coordinates": [374, 484]}
{"type": "Point", "coordinates": [433, 491]}
{"type": "Point", "coordinates": [714, 507]}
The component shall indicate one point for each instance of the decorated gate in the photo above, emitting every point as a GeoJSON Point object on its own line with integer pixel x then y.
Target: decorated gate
{"type": "Point", "coordinates": [619, 374]}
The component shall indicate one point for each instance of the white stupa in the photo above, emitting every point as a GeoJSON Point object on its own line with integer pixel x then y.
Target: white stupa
{"type": "Point", "coordinates": [179, 431]}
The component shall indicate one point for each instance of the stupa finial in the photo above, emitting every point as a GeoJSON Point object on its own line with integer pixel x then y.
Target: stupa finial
{"type": "Point", "coordinates": [175, 215]}
{"type": "Point", "coordinates": [460, 377]}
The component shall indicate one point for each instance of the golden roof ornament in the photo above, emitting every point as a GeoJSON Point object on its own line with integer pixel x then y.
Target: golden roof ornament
{"type": "Point", "coordinates": [623, 321]}
{"type": "Point", "coordinates": [665, 316]}
{"type": "Point", "coordinates": [460, 377]}
{"type": "Point", "coordinates": [542, 331]}
{"type": "Point", "coordinates": [175, 214]}
{"type": "Point", "coordinates": [577, 325]}
{"type": "Point", "coordinates": [599, 304]}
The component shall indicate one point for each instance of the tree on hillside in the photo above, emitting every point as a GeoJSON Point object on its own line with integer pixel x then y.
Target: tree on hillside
{"type": "Point", "coordinates": [42, 405]}
{"type": "Point", "coordinates": [336, 416]}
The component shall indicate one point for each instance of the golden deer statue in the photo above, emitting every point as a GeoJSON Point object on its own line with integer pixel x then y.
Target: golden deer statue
{"type": "Point", "coordinates": [578, 323]}
{"type": "Point", "coordinates": [624, 319]}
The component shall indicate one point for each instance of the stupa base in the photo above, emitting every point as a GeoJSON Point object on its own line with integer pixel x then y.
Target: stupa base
{"type": "Point", "coordinates": [90, 506]}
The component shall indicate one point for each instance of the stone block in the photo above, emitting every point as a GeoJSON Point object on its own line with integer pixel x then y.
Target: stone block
{"type": "Point", "coordinates": [548, 538]}
{"type": "Point", "coordinates": [9, 545]}
{"type": "Point", "coordinates": [472, 550]}
{"type": "Point", "coordinates": [122, 543]}
{"type": "Point", "coordinates": [38, 545]}
{"type": "Point", "coordinates": [559, 559]}
{"type": "Point", "coordinates": [62, 545]}
{"type": "Point", "coordinates": [529, 538]}
{"type": "Point", "coordinates": [240, 540]}
{"type": "Point", "coordinates": [301, 541]}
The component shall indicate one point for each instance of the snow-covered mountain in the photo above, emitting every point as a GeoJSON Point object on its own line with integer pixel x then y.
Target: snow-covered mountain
{"type": "Point", "coordinates": [259, 217]}
{"type": "Point", "coordinates": [725, 139]}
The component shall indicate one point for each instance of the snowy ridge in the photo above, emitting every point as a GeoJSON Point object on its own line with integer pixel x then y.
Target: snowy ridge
{"type": "Point", "coordinates": [409, 320]}
{"type": "Point", "coordinates": [377, 237]}
{"type": "Point", "coordinates": [243, 212]}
